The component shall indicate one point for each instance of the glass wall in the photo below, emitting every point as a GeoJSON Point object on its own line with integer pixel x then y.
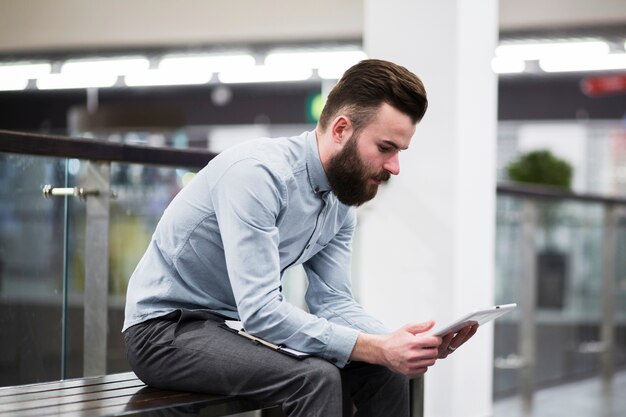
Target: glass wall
{"type": "Point", "coordinates": [32, 257]}
{"type": "Point", "coordinates": [569, 248]}
{"type": "Point", "coordinates": [32, 232]}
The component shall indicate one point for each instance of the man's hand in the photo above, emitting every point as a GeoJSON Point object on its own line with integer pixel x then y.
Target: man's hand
{"type": "Point", "coordinates": [404, 351]}
{"type": "Point", "coordinates": [452, 342]}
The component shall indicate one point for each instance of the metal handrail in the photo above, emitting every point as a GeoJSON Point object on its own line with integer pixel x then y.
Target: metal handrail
{"type": "Point", "coordinates": [81, 148]}
{"type": "Point", "coordinates": [554, 193]}
{"type": "Point", "coordinates": [96, 150]}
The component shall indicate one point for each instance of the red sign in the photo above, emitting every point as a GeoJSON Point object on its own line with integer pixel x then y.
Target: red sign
{"type": "Point", "coordinates": [604, 85]}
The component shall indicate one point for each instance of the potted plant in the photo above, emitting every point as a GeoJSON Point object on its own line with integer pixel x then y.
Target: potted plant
{"type": "Point", "coordinates": [542, 168]}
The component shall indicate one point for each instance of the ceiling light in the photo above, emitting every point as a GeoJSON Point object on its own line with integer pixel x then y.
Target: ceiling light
{"type": "Point", "coordinates": [16, 84]}
{"type": "Point", "coordinates": [14, 76]}
{"type": "Point", "coordinates": [314, 59]}
{"type": "Point", "coordinates": [507, 66]}
{"type": "Point", "coordinates": [602, 63]}
{"type": "Point", "coordinates": [82, 80]}
{"type": "Point", "coordinates": [263, 74]}
{"type": "Point", "coordinates": [161, 77]}
{"type": "Point", "coordinates": [206, 63]}
{"type": "Point", "coordinates": [330, 64]}
{"type": "Point", "coordinates": [105, 66]}
{"type": "Point", "coordinates": [556, 50]}
{"type": "Point", "coordinates": [23, 70]}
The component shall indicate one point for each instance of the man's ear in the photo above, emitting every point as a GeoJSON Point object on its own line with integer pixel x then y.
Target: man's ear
{"type": "Point", "coordinates": [341, 129]}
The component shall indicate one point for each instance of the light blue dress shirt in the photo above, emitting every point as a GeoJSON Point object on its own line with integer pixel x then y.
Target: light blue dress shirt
{"type": "Point", "coordinates": [225, 240]}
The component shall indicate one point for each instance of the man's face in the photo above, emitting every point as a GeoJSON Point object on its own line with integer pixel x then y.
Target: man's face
{"type": "Point", "coordinates": [369, 159]}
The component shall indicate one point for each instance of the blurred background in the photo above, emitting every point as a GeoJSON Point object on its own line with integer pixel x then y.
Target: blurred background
{"type": "Point", "coordinates": [541, 170]}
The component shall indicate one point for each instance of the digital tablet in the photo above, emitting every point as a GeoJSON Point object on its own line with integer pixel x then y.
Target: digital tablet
{"type": "Point", "coordinates": [476, 317]}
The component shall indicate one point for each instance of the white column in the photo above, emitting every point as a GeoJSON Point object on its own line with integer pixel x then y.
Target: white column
{"type": "Point", "coordinates": [425, 246]}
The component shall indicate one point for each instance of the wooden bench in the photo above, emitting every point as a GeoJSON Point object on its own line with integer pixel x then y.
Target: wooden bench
{"type": "Point", "coordinates": [112, 395]}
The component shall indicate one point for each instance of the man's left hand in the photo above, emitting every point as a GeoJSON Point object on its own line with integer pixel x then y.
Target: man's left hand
{"type": "Point", "coordinates": [452, 342]}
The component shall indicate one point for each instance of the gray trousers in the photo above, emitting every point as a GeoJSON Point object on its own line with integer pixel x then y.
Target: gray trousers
{"type": "Point", "coordinates": [189, 351]}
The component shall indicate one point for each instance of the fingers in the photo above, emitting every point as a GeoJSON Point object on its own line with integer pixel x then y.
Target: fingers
{"type": "Point", "coordinates": [443, 347]}
{"type": "Point", "coordinates": [420, 353]}
{"type": "Point", "coordinates": [417, 328]}
{"type": "Point", "coordinates": [417, 367]}
{"type": "Point", "coordinates": [463, 336]}
{"type": "Point", "coordinates": [450, 342]}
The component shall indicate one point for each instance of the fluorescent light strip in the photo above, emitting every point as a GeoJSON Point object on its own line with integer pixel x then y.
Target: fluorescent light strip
{"type": "Point", "coordinates": [163, 78]}
{"type": "Point", "coordinates": [15, 84]}
{"type": "Point", "coordinates": [206, 63]}
{"type": "Point", "coordinates": [316, 59]}
{"type": "Point", "coordinates": [603, 63]}
{"type": "Point", "coordinates": [507, 66]}
{"type": "Point", "coordinates": [556, 50]}
{"type": "Point", "coordinates": [107, 66]}
{"type": "Point", "coordinates": [14, 76]}
{"type": "Point", "coordinates": [64, 81]}
{"type": "Point", "coordinates": [264, 74]}
{"type": "Point", "coordinates": [27, 70]}
{"type": "Point", "coordinates": [330, 64]}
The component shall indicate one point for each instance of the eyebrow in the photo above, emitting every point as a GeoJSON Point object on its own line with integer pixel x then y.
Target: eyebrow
{"type": "Point", "coordinates": [394, 145]}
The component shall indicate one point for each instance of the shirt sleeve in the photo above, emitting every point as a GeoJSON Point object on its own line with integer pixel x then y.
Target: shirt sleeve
{"type": "Point", "coordinates": [248, 200]}
{"type": "Point", "coordinates": [329, 293]}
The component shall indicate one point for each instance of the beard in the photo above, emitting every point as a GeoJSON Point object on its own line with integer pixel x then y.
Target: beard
{"type": "Point", "coordinates": [350, 178]}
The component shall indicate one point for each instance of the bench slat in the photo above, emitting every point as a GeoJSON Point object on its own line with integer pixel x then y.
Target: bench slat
{"type": "Point", "coordinates": [111, 395]}
{"type": "Point", "coordinates": [65, 392]}
{"type": "Point", "coordinates": [143, 401]}
{"type": "Point", "coordinates": [68, 383]}
{"type": "Point", "coordinates": [68, 400]}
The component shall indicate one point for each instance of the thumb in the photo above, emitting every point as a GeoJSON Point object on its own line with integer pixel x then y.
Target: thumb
{"type": "Point", "coordinates": [417, 328]}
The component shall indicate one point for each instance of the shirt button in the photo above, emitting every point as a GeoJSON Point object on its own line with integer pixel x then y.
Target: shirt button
{"type": "Point", "coordinates": [317, 189]}
{"type": "Point", "coordinates": [307, 246]}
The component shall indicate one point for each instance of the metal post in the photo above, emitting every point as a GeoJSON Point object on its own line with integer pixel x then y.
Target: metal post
{"type": "Point", "coordinates": [96, 269]}
{"type": "Point", "coordinates": [417, 396]}
{"type": "Point", "coordinates": [528, 296]}
{"type": "Point", "coordinates": [608, 295]}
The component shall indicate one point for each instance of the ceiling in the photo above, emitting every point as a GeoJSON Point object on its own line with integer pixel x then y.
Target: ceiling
{"type": "Point", "coordinates": [44, 26]}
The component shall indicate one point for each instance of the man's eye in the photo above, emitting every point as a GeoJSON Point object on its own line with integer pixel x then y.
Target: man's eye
{"type": "Point", "coordinates": [383, 149]}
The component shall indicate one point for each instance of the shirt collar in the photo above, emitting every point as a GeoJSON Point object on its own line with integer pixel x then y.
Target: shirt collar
{"type": "Point", "coordinates": [317, 175]}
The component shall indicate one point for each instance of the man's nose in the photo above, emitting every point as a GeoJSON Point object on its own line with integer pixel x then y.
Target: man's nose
{"type": "Point", "coordinates": [392, 165]}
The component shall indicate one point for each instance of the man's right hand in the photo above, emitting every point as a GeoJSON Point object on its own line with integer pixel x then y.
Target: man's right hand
{"type": "Point", "coordinates": [405, 351]}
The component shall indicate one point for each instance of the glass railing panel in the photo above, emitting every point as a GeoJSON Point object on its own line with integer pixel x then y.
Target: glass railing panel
{"type": "Point", "coordinates": [508, 281]}
{"type": "Point", "coordinates": [569, 243]}
{"type": "Point", "coordinates": [141, 194]}
{"type": "Point", "coordinates": [569, 290]}
{"type": "Point", "coordinates": [32, 233]}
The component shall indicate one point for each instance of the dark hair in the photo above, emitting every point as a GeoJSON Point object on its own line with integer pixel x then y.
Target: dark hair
{"type": "Point", "coordinates": [370, 83]}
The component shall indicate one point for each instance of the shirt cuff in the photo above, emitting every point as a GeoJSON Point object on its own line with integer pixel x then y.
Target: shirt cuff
{"type": "Point", "coordinates": [340, 345]}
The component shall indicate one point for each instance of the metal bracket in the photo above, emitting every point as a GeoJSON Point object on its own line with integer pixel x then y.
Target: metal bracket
{"type": "Point", "coordinates": [80, 192]}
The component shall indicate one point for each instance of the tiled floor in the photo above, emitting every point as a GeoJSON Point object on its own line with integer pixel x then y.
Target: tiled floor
{"type": "Point", "coordinates": [578, 399]}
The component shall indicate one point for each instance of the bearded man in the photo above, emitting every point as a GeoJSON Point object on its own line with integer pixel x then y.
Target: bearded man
{"type": "Point", "coordinates": [224, 242]}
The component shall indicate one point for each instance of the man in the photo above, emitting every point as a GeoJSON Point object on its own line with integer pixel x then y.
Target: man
{"type": "Point", "coordinates": [222, 246]}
